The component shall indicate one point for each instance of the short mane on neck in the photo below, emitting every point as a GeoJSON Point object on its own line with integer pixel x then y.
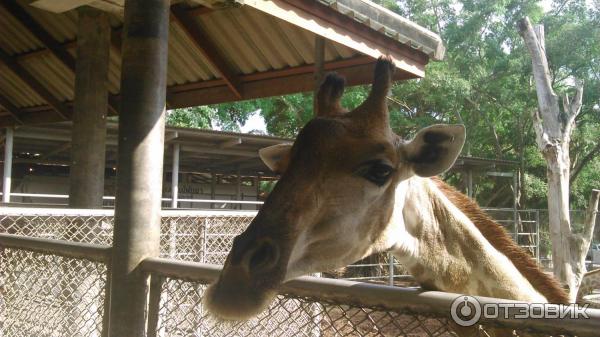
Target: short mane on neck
{"type": "Point", "coordinates": [497, 236]}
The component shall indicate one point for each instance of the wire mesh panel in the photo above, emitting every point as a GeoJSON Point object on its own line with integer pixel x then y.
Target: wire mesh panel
{"type": "Point", "coordinates": [181, 313]}
{"type": "Point", "coordinates": [202, 238]}
{"type": "Point", "coordinates": [49, 295]}
{"type": "Point", "coordinates": [60, 224]}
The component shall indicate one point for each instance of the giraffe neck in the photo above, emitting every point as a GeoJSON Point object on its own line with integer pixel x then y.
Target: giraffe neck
{"type": "Point", "coordinates": [444, 250]}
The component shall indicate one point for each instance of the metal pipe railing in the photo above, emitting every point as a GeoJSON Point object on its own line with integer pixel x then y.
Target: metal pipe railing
{"type": "Point", "coordinates": [320, 289]}
{"type": "Point", "coordinates": [26, 211]}
{"type": "Point", "coordinates": [204, 201]}
{"type": "Point", "coordinates": [385, 297]}
{"type": "Point", "coordinates": [76, 250]}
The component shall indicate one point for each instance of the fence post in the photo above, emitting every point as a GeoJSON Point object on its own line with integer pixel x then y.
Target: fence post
{"type": "Point", "coordinates": [106, 311]}
{"type": "Point", "coordinates": [537, 235]}
{"type": "Point", "coordinates": [140, 161]}
{"type": "Point", "coordinates": [391, 268]}
{"type": "Point", "coordinates": [156, 283]}
{"type": "Point", "coordinates": [8, 156]}
{"type": "Point", "coordinates": [175, 176]}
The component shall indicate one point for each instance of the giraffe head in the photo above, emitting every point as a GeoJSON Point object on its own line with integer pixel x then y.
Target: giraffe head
{"type": "Point", "coordinates": [335, 197]}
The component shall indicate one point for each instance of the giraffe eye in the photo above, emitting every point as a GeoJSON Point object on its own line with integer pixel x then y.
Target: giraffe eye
{"type": "Point", "coordinates": [377, 172]}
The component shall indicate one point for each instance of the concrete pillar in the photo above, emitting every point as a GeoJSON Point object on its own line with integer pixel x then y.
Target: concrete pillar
{"type": "Point", "coordinates": [140, 161]}
{"type": "Point", "coordinates": [88, 148]}
{"type": "Point", "coordinates": [175, 176]}
{"type": "Point", "coordinates": [8, 156]}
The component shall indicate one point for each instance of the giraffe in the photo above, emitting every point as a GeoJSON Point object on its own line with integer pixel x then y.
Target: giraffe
{"type": "Point", "coordinates": [350, 187]}
{"type": "Point", "coordinates": [589, 283]}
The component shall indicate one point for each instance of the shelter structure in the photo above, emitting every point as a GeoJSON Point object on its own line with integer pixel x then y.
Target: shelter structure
{"type": "Point", "coordinates": [84, 60]}
{"type": "Point", "coordinates": [206, 164]}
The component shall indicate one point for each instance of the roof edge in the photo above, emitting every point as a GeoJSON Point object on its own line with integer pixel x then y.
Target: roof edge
{"type": "Point", "coordinates": [392, 24]}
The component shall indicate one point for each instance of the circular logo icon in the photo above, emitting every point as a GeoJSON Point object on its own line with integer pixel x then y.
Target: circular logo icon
{"type": "Point", "coordinates": [465, 310]}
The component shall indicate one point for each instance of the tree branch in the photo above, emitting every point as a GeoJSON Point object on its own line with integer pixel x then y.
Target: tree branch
{"type": "Point", "coordinates": [583, 162]}
{"type": "Point", "coordinates": [572, 108]}
{"type": "Point", "coordinates": [536, 48]}
{"type": "Point", "coordinates": [590, 214]}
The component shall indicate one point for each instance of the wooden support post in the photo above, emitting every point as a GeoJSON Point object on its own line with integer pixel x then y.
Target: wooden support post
{"type": "Point", "coordinates": [258, 191]}
{"type": "Point", "coordinates": [8, 156]}
{"type": "Point", "coordinates": [140, 161]}
{"type": "Point", "coordinates": [213, 183]}
{"type": "Point", "coordinates": [91, 107]}
{"type": "Point", "coordinates": [319, 66]}
{"type": "Point", "coordinates": [238, 188]}
{"type": "Point", "coordinates": [175, 176]}
{"type": "Point", "coordinates": [470, 183]}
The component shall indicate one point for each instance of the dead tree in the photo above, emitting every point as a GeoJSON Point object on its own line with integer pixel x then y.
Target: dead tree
{"type": "Point", "coordinates": [553, 129]}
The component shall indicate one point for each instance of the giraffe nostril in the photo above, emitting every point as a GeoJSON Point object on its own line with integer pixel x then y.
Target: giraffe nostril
{"type": "Point", "coordinates": [264, 257]}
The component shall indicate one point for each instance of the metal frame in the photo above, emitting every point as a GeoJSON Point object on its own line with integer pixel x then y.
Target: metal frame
{"type": "Point", "coordinates": [76, 250]}
{"type": "Point", "coordinates": [199, 201]}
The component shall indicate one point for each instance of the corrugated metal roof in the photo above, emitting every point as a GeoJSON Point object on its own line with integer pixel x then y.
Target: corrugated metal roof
{"type": "Point", "coordinates": [257, 45]}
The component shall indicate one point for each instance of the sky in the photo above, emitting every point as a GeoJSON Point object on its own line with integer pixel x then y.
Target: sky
{"type": "Point", "coordinates": [255, 122]}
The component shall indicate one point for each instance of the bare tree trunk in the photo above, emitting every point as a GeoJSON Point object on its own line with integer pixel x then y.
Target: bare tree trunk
{"type": "Point", "coordinates": [553, 130]}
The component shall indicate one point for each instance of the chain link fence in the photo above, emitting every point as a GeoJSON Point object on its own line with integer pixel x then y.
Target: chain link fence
{"type": "Point", "coordinates": [327, 308]}
{"type": "Point", "coordinates": [182, 314]}
{"type": "Point", "coordinates": [198, 236]}
{"type": "Point", "coordinates": [207, 236]}
{"type": "Point", "coordinates": [52, 294]}
{"type": "Point", "coordinates": [46, 295]}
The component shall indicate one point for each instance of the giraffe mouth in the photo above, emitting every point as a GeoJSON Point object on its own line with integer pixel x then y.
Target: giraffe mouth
{"type": "Point", "coordinates": [249, 281]}
{"type": "Point", "coordinates": [230, 299]}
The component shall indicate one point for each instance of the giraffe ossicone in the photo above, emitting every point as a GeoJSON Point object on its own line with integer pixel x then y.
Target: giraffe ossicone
{"type": "Point", "coordinates": [349, 188]}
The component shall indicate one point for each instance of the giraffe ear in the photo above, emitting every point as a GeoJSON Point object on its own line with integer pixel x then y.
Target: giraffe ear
{"type": "Point", "coordinates": [276, 157]}
{"type": "Point", "coordinates": [435, 149]}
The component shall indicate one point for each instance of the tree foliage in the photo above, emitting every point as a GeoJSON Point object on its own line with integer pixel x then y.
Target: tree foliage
{"type": "Point", "coordinates": [484, 82]}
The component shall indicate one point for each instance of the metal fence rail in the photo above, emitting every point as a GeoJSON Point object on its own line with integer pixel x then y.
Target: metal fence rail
{"type": "Point", "coordinates": [323, 307]}
{"type": "Point", "coordinates": [56, 288]}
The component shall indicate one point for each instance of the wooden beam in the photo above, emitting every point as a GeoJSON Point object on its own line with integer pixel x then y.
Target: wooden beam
{"type": "Point", "coordinates": [56, 151]}
{"type": "Point", "coordinates": [357, 70]}
{"type": "Point", "coordinates": [34, 84]}
{"type": "Point", "coordinates": [200, 10]}
{"type": "Point", "coordinates": [116, 38]}
{"type": "Point", "coordinates": [302, 82]}
{"type": "Point", "coordinates": [208, 48]}
{"type": "Point", "coordinates": [56, 48]}
{"type": "Point", "coordinates": [23, 17]}
{"type": "Point", "coordinates": [11, 109]}
{"type": "Point", "coordinates": [266, 75]}
{"type": "Point", "coordinates": [212, 150]}
{"type": "Point", "coordinates": [230, 143]}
